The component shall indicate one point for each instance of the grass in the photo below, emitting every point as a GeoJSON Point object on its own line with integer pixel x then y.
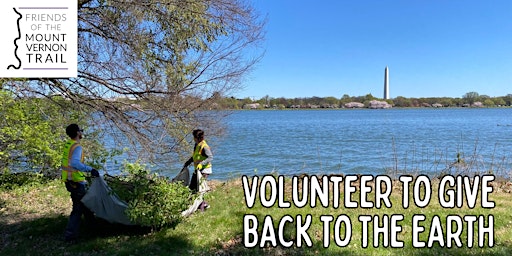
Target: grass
{"type": "Point", "coordinates": [33, 218]}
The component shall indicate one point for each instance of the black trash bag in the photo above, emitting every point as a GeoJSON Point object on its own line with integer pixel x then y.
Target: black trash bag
{"type": "Point", "coordinates": [183, 176]}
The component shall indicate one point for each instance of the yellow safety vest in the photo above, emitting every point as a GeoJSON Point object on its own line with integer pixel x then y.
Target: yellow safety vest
{"type": "Point", "coordinates": [68, 172]}
{"type": "Point", "coordinates": [198, 157]}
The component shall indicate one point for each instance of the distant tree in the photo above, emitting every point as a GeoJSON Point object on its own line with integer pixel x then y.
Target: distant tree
{"type": "Point", "coordinates": [297, 101]}
{"type": "Point", "coordinates": [266, 100]}
{"type": "Point", "coordinates": [457, 101]}
{"type": "Point", "coordinates": [314, 100]}
{"type": "Point", "coordinates": [424, 101]}
{"type": "Point", "coordinates": [345, 99]}
{"type": "Point", "coordinates": [274, 102]}
{"type": "Point", "coordinates": [508, 99]}
{"type": "Point", "coordinates": [471, 97]}
{"type": "Point", "coordinates": [282, 101]}
{"type": "Point", "coordinates": [500, 101]}
{"type": "Point", "coordinates": [446, 102]}
{"type": "Point", "coordinates": [369, 97]}
{"type": "Point", "coordinates": [246, 100]}
{"type": "Point", "coordinates": [415, 102]}
{"type": "Point", "coordinates": [488, 102]}
{"type": "Point", "coordinates": [402, 102]}
{"type": "Point", "coordinates": [230, 103]}
{"type": "Point", "coordinates": [331, 101]}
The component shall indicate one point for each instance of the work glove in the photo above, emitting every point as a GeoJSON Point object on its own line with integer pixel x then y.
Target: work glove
{"type": "Point", "coordinates": [199, 167]}
{"type": "Point", "coordinates": [95, 173]}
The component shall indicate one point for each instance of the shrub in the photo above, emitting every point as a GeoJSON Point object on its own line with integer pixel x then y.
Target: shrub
{"type": "Point", "coordinates": [152, 200]}
{"type": "Point", "coordinates": [10, 180]}
{"type": "Point", "coordinates": [32, 134]}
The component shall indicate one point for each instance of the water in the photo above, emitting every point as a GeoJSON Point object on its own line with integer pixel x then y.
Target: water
{"type": "Point", "coordinates": [352, 141]}
{"type": "Point", "coordinates": [363, 141]}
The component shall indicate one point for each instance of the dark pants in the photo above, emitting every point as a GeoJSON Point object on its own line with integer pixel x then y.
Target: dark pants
{"type": "Point", "coordinates": [77, 191]}
{"type": "Point", "coordinates": [194, 183]}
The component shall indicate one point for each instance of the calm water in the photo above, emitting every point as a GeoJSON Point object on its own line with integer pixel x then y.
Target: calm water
{"type": "Point", "coordinates": [363, 141]}
{"type": "Point", "coordinates": [351, 141]}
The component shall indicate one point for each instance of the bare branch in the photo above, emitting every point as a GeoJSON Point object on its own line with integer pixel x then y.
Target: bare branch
{"type": "Point", "coordinates": [150, 70]}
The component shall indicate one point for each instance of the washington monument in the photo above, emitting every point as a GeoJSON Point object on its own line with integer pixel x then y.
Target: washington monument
{"type": "Point", "coordinates": [386, 83]}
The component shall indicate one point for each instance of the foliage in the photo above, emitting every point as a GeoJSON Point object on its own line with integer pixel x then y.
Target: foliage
{"type": "Point", "coordinates": [32, 133]}
{"type": "Point", "coordinates": [26, 134]}
{"type": "Point", "coordinates": [149, 69]}
{"type": "Point", "coordinates": [471, 97]}
{"type": "Point", "coordinates": [153, 201]}
{"type": "Point", "coordinates": [332, 102]}
{"type": "Point", "coordinates": [10, 181]}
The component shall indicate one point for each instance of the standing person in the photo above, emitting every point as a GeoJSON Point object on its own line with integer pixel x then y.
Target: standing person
{"type": "Point", "coordinates": [202, 158]}
{"type": "Point", "coordinates": [73, 175]}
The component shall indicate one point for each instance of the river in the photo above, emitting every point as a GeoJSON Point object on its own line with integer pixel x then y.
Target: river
{"type": "Point", "coordinates": [353, 141]}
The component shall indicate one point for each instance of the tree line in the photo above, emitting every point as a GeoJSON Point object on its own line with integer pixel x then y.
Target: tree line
{"type": "Point", "coordinates": [467, 100]}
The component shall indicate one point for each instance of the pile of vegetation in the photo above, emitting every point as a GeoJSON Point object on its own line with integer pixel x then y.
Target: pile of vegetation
{"type": "Point", "coordinates": [153, 200]}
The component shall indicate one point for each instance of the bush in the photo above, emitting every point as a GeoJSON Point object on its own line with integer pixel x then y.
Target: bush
{"type": "Point", "coordinates": [10, 180]}
{"type": "Point", "coordinates": [32, 134]}
{"type": "Point", "coordinates": [152, 200]}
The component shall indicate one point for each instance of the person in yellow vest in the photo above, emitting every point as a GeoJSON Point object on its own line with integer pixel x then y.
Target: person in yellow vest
{"type": "Point", "coordinates": [73, 170]}
{"type": "Point", "coordinates": [202, 158]}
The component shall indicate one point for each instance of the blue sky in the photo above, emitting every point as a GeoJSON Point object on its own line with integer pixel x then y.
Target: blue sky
{"type": "Point", "coordinates": [433, 48]}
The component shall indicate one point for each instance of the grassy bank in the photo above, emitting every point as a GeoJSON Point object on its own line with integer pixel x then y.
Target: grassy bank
{"type": "Point", "coordinates": [33, 217]}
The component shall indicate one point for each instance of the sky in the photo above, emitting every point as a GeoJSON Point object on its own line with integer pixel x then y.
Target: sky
{"type": "Point", "coordinates": [434, 48]}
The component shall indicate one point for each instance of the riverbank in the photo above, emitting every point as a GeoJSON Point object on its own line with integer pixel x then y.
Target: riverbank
{"type": "Point", "coordinates": [33, 217]}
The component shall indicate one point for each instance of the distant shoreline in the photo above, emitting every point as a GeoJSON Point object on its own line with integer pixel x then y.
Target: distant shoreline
{"type": "Point", "coordinates": [470, 99]}
{"type": "Point", "coordinates": [299, 109]}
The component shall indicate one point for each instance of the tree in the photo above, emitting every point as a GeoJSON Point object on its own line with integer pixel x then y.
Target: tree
{"type": "Point", "coordinates": [345, 99]}
{"type": "Point", "coordinates": [488, 102]}
{"type": "Point", "coordinates": [401, 101]}
{"type": "Point", "coordinates": [32, 134]}
{"type": "Point", "coordinates": [508, 99]}
{"type": "Point", "coordinates": [499, 101]}
{"type": "Point", "coordinates": [471, 97]}
{"type": "Point", "coordinates": [446, 102]}
{"type": "Point", "coordinates": [332, 101]}
{"type": "Point", "coordinates": [266, 100]}
{"type": "Point", "coordinates": [369, 97]}
{"type": "Point", "coordinates": [167, 59]}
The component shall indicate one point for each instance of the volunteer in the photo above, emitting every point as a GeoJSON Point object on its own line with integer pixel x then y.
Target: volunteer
{"type": "Point", "coordinates": [73, 175]}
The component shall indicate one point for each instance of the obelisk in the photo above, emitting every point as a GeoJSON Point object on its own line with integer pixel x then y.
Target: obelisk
{"type": "Point", "coordinates": [386, 83]}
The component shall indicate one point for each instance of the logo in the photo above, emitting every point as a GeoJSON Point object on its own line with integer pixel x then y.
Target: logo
{"type": "Point", "coordinates": [39, 39]}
